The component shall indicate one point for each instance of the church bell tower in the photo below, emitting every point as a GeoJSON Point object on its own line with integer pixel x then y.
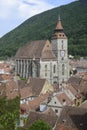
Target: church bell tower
{"type": "Point", "coordinates": [59, 43]}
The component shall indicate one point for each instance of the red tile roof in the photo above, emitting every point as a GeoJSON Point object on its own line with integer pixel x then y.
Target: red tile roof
{"type": "Point", "coordinates": [35, 103]}
{"type": "Point", "coordinates": [34, 116]}
{"type": "Point", "coordinates": [35, 49]}
{"type": "Point", "coordinates": [63, 98]}
{"type": "Point", "coordinates": [73, 117]}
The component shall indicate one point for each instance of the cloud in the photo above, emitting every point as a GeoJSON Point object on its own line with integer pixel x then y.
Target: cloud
{"type": "Point", "coordinates": [14, 12]}
{"type": "Point", "coordinates": [29, 8]}
{"type": "Point", "coordinates": [22, 8]}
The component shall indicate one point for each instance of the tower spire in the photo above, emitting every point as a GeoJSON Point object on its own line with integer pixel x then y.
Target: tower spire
{"type": "Point", "coordinates": [59, 18]}
{"type": "Point", "coordinates": [59, 26]}
{"type": "Point", "coordinates": [59, 31]}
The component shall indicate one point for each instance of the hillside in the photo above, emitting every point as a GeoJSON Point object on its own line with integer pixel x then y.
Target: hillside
{"type": "Point", "coordinates": [41, 26]}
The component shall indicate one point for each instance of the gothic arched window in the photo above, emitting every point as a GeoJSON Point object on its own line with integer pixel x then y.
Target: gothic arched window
{"type": "Point", "coordinates": [63, 68]}
{"type": "Point", "coordinates": [54, 69]}
{"type": "Point", "coordinates": [45, 70]}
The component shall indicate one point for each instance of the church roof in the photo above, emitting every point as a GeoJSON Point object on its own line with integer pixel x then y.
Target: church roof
{"type": "Point", "coordinates": [35, 49]}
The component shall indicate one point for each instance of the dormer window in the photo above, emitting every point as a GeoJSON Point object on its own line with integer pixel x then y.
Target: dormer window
{"type": "Point", "coordinates": [47, 45]}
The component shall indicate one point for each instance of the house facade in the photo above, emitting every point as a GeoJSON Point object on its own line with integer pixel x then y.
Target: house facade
{"type": "Point", "coordinates": [45, 59]}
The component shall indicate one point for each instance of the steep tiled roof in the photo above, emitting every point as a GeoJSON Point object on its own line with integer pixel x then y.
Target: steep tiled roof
{"type": "Point", "coordinates": [34, 50]}
{"type": "Point", "coordinates": [26, 92]}
{"type": "Point", "coordinates": [84, 104]}
{"type": "Point", "coordinates": [11, 89]}
{"type": "Point", "coordinates": [59, 25]}
{"type": "Point", "coordinates": [58, 32]}
{"type": "Point", "coordinates": [49, 111]}
{"type": "Point", "coordinates": [35, 103]}
{"type": "Point", "coordinates": [48, 54]}
{"type": "Point", "coordinates": [34, 116]}
{"type": "Point", "coordinates": [83, 86]}
{"type": "Point", "coordinates": [2, 89]}
{"type": "Point", "coordinates": [36, 84]}
{"type": "Point", "coordinates": [73, 117]}
{"type": "Point", "coordinates": [74, 80]}
{"type": "Point", "coordinates": [22, 83]}
{"type": "Point", "coordinates": [63, 98]}
{"type": "Point", "coordinates": [31, 87]}
{"type": "Point", "coordinates": [72, 89]}
{"type": "Point", "coordinates": [63, 127]}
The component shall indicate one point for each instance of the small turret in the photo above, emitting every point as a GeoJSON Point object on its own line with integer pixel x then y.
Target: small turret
{"type": "Point", "coordinates": [58, 31]}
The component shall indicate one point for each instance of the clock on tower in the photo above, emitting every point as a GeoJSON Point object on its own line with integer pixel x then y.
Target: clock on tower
{"type": "Point", "coordinates": [62, 53]}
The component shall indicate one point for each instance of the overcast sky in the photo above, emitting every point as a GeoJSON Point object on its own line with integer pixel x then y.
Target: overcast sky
{"type": "Point", "coordinates": [14, 12]}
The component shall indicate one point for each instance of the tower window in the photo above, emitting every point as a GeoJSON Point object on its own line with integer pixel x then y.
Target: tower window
{"type": "Point", "coordinates": [45, 70]}
{"type": "Point", "coordinates": [54, 69]}
{"type": "Point", "coordinates": [46, 67]}
{"type": "Point", "coordinates": [62, 58]}
{"type": "Point", "coordinates": [62, 46]}
{"type": "Point", "coordinates": [63, 68]}
{"type": "Point", "coordinates": [62, 41]}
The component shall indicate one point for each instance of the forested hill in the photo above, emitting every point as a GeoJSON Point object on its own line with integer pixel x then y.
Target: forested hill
{"type": "Point", "coordinates": [41, 26]}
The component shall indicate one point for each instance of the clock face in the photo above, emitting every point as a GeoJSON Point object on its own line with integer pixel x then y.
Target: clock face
{"type": "Point", "coordinates": [62, 53]}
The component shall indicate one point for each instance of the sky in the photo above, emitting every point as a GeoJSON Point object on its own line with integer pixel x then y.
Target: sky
{"type": "Point", "coordinates": [15, 12]}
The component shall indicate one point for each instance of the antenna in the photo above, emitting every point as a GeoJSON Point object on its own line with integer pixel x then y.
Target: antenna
{"type": "Point", "coordinates": [59, 18]}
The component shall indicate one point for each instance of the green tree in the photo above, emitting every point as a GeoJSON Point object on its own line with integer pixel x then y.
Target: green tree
{"type": "Point", "coordinates": [9, 113]}
{"type": "Point", "coordinates": [40, 125]}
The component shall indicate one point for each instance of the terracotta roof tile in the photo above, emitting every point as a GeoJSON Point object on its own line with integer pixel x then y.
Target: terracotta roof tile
{"type": "Point", "coordinates": [35, 103]}
{"type": "Point", "coordinates": [84, 104]}
{"type": "Point", "coordinates": [73, 117]}
{"type": "Point", "coordinates": [11, 89]}
{"type": "Point", "coordinates": [34, 116]}
{"type": "Point", "coordinates": [49, 111]}
{"type": "Point", "coordinates": [36, 84]}
{"type": "Point", "coordinates": [63, 98]}
{"type": "Point", "coordinates": [59, 25]}
{"type": "Point", "coordinates": [63, 127]}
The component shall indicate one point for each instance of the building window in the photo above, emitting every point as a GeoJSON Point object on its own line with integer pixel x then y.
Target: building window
{"type": "Point", "coordinates": [62, 45]}
{"type": "Point", "coordinates": [56, 110]}
{"type": "Point", "coordinates": [63, 68]}
{"type": "Point", "coordinates": [45, 70]}
{"type": "Point", "coordinates": [45, 74]}
{"type": "Point", "coordinates": [54, 69]}
{"type": "Point", "coordinates": [62, 58]}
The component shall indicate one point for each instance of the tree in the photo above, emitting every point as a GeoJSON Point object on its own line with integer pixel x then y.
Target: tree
{"type": "Point", "coordinates": [9, 113]}
{"type": "Point", "coordinates": [40, 125]}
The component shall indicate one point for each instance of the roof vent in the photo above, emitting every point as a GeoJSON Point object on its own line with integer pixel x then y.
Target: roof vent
{"type": "Point", "coordinates": [64, 120]}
